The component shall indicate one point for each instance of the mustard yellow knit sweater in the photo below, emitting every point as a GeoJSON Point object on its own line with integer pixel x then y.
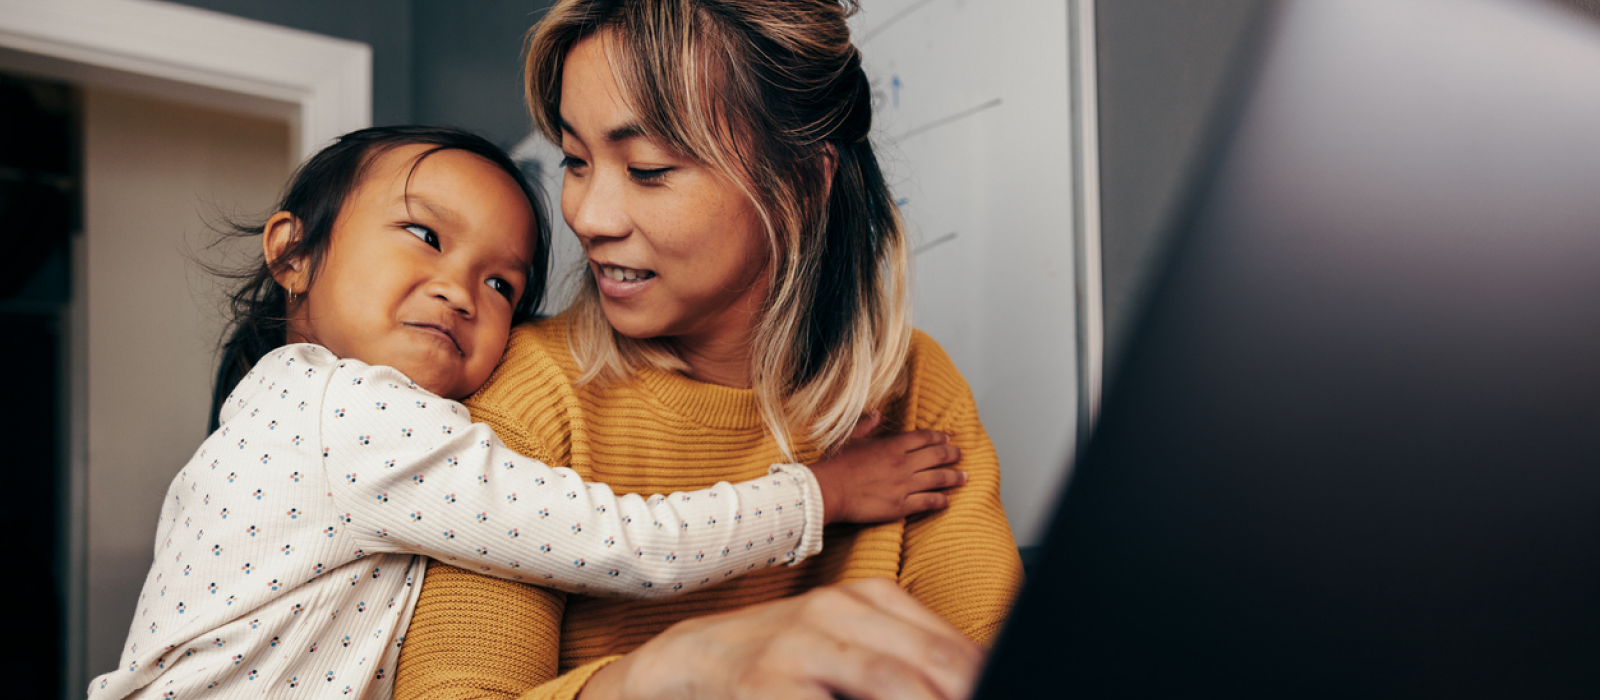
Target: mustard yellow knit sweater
{"type": "Point", "coordinates": [475, 637]}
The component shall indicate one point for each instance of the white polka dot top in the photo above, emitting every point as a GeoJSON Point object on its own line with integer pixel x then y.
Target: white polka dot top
{"type": "Point", "coordinates": [291, 547]}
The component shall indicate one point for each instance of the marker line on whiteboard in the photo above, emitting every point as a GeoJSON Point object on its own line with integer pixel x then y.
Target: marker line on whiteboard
{"type": "Point", "coordinates": [930, 245]}
{"type": "Point", "coordinates": [942, 121]}
{"type": "Point", "coordinates": [867, 35]}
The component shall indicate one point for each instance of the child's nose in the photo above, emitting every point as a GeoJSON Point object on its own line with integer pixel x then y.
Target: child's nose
{"type": "Point", "coordinates": [454, 294]}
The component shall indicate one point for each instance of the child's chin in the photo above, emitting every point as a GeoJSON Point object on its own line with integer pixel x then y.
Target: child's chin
{"type": "Point", "coordinates": [446, 390]}
{"type": "Point", "coordinates": [433, 381]}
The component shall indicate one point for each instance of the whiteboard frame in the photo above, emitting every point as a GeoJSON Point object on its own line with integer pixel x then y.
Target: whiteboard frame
{"type": "Point", "coordinates": [1085, 110]}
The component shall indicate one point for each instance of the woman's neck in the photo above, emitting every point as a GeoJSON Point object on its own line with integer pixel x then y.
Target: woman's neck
{"type": "Point", "coordinates": [718, 349]}
{"type": "Point", "coordinates": [716, 360]}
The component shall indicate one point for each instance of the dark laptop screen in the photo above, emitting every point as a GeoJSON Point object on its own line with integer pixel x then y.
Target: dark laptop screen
{"type": "Point", "coordinates": [1354, 449]}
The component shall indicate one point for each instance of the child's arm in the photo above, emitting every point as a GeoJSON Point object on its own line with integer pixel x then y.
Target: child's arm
{"type": "Point", "coordinates": [874, 480]}
{"type": "Point", "coordinates": [414, 474]}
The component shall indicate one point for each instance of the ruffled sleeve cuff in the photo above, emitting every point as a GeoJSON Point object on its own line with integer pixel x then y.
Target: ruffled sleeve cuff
{"type": "Point", "coordinates": [811, 498]}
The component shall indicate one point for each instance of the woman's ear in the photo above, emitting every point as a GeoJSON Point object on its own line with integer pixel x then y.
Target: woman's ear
{"type": "Point", "coordinates": [278, 236]}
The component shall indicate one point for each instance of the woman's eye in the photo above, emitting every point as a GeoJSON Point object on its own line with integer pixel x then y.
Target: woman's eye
{"type": "Point", "coordinates": [501, 286]}
{"type": "Point", "coordinates": [424, 233]}
{"type": "Point", "coordinates": [570, 162]}
{"type": "Point", "coordinates": [647, 174]}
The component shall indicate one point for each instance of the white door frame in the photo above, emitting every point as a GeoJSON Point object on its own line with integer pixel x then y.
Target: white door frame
{"type": "Point", "coordinates": [320, 85]}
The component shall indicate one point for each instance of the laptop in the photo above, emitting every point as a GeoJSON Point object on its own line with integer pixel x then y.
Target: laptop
{"type": "Point", "coordinates": [1354, 447]}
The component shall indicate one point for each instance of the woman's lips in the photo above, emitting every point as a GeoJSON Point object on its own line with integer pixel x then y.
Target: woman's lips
{"type": "Point", "coordinates": [620, 282]}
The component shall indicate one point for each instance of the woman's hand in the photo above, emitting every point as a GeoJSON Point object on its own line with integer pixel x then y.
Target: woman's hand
{"type": "Point", "coordinates": [867, 640]}
{"type": "Point", "coordinates": [874, 480]}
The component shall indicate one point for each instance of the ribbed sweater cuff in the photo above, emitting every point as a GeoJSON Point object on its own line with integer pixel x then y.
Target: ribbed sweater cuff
{"type": "Point", "coordinates": [811, 492]}
{"type": "Point", "coordinates": [568, 685]}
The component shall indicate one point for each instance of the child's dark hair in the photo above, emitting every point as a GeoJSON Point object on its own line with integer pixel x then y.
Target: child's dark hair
{"type": "Point", "coordinates": [315, 196]}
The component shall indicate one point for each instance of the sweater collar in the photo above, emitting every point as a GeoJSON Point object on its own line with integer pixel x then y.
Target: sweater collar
{"type": "Point", "coordinates": [713, 405]}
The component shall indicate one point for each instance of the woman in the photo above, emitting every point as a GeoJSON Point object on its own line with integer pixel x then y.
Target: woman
{"type": "Point", "coordinates": [745, 295]}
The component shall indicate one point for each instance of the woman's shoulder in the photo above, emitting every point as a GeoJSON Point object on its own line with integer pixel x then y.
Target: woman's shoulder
{"type": "Point", "coordinates": [533, 383]}
{"type": "Point", "coordinates": [536, 349]}
{"type": "Point", "coordinates": [543, 338]}
{"type": "Point", "coordinates": [934, 388]}
{"type": "Point", "coordinates": [926, 354]}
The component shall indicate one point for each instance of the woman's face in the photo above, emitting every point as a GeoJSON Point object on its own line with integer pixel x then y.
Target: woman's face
{"type": "Point", "coordinates": [677, 250]}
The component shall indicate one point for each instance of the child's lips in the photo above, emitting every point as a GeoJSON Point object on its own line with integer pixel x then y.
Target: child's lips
{"type": "Point", "coordinates": [441, 331]}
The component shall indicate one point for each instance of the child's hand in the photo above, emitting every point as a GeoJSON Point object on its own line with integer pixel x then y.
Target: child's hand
{"type": "Point", "coordinates": [876, 480]}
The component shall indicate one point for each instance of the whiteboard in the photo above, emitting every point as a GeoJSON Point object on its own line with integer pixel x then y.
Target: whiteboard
{"type": "Point", "coordinates": [978, 108]}
{"type": "Point", "coordinates": [983, 123]}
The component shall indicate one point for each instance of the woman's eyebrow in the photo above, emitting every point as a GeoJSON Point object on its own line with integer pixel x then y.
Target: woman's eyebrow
{"type": "Point", "coordinates": [625, 132]}
{"type": "Point", "coordinates": [621, 133]}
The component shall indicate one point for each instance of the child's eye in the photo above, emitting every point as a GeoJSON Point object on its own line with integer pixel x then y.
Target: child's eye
{"type": "Point", "coordinates": [424, 233]}
{"type": "Point", "coordinates": [501, 286]}
{"type": "Point", "coordinates": [570, 162]}
{"type": "Point", "coordinates": [647, 174]}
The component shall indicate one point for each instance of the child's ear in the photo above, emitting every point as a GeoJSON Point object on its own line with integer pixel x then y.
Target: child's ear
{"type": "Point", "coordinates": [280, 234]}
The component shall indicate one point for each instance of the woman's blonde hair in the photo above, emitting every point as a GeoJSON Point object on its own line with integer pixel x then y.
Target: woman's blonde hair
{"type": "Point", "coordinates": [771, 94]}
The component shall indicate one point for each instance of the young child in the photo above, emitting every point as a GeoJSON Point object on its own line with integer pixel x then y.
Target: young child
{"type": "Point", "coordinates": [289, 553]}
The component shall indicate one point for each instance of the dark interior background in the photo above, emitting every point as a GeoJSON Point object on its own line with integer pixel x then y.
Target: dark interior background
{"type": "Point", "coordinates": [1164, 67]}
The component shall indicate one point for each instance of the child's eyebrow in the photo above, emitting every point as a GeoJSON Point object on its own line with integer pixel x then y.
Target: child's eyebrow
{"type": "Point", "coordinates": [434, 209]}
{"type": "Point", "coordinates": [523, 262]}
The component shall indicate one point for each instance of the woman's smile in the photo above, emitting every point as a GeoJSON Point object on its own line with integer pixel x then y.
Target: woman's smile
{"type": "Point", "coordinates": [619, 282]}
{"type": "Point", "coordinates": [624, 274]}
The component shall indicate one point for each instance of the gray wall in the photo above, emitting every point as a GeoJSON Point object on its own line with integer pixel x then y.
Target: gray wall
{"type": "Point", "coordinates": [1163, 65]}
{"type": "Point", "coordinates": [433, 61]}
{"type": "Point", "coordinates": [467, 62]}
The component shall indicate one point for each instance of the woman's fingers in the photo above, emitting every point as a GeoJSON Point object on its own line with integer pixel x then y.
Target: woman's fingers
{"type": "Point", "coordinates": [882, 644]}
{"type": "Point", "coordinates": [884, 595]}
{"type": "Point", "coordinates": [854, 671]}
{"type": "Point", "coordinates": [867, 640]}
{"type": "Point", "coordinates": [902, 629]}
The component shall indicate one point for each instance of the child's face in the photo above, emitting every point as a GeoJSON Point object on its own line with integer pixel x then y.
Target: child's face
{"type": "Point", "coordinates": [423, 277]}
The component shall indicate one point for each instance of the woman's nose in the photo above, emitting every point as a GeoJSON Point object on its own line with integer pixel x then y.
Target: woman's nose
{"type": "Point", "coordinates": [594, 208]}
